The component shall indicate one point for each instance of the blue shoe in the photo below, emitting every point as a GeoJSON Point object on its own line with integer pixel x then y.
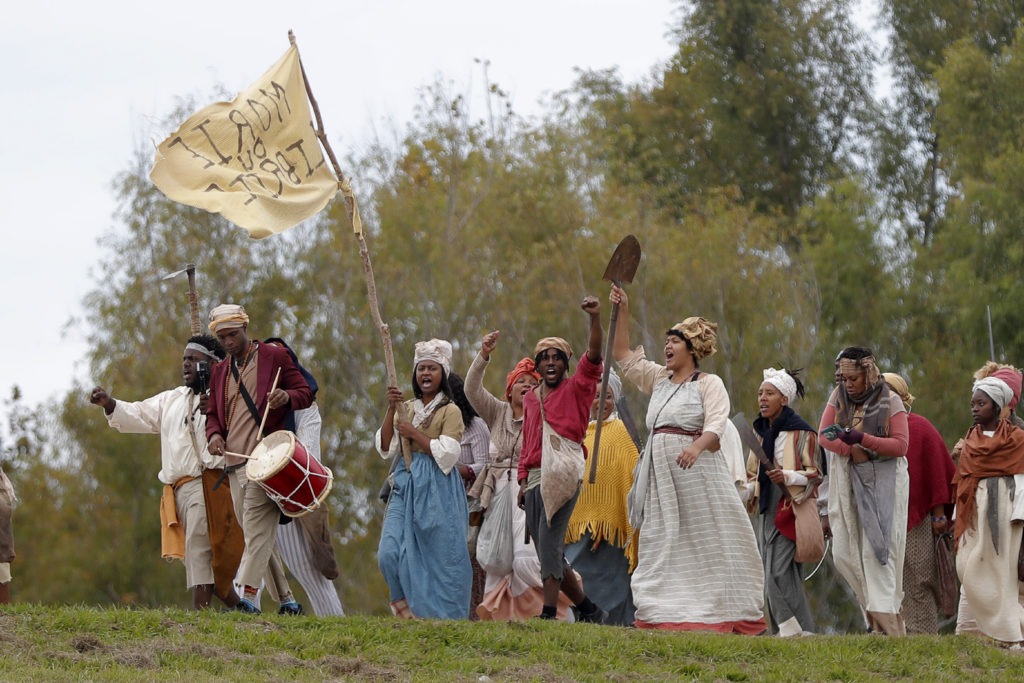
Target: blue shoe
{"type": "Point", "coordinates": [247, 607]}
{"type": "Point", "coordinates": [290, 608]}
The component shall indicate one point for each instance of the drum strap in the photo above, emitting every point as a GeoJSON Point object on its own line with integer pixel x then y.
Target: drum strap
{"type": "Point", "coordinates": [246, 397]}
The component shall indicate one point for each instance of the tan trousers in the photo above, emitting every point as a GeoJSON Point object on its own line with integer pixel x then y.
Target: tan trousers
{"type": "Point", "coordinates": [259, 516]}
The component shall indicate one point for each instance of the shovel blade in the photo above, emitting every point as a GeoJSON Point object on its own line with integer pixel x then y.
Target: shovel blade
{"type": "Point", "coordinates": [624, 262]}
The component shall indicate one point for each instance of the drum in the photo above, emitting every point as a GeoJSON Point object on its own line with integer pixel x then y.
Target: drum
{"type": "Point", "coordinates": [293, 479]}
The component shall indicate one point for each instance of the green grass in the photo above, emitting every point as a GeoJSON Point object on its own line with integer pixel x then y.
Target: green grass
{"type": "Point", "coordinates": [76, 643]}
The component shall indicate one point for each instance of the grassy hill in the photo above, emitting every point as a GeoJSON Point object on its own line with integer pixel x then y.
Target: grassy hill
{"type": "Point", "coordinates": [40, 643]}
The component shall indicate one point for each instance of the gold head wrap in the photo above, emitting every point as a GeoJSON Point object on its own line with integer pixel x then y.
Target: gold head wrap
{"type": "Point", "coordinates": [899, 385]}
{"type": "Point", "coordinates": [553, 343]}
{"type": "Point", "coordinates": [865, 365]}
{"type": "Point", "coordinates": [226, 316]}
{"type": "Point", "coordinates": [701, 333]}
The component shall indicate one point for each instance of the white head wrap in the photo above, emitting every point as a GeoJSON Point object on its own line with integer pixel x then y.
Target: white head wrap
{"type": "Point", "coordinates": [437, 350]}
{"type": "Point", "coordinates": [996, 389]}
{"type": "Point", "coordinates": [196, 346]}
{"type": "Point", "coordinates": [614, 385]}
{"type": "Point", "coordinates": [782, 381]}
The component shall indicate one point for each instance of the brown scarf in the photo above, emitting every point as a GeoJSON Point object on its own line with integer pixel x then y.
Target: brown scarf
{"type": "Point", "coordinates": [1001, 455]}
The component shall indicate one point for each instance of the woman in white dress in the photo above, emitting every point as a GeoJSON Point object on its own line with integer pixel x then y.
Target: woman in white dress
{"type": "Point", "coordinates": [989, 510]}
{"type": "Point", "coordinates": [698, 567]}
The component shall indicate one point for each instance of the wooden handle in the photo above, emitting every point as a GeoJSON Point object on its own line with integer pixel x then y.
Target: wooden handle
{"type": "Point", "coordinates": [603, 391]}
{"type": "Point", "coordinates": [267, 411]}
{"type": "Point", "coordinates": [193, 300]}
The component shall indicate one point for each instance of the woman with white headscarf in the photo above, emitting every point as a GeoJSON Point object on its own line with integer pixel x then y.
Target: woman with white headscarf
{"type": "Point", "coordinates": [864, 429]}
{"type": "Point", "coordinates": [791, 445]}
{"type": "Point", "coordinates": [599, 526]}
{"type": "Point", "coordinates": [989, 511]}
{"type": "Point", "coordinates": [422, 553]}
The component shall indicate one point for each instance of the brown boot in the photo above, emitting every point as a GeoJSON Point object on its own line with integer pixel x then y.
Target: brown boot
{"type": "Point", "coordinates": [5, 593]}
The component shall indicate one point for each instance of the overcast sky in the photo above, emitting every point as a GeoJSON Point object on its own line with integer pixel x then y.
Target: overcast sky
{"type": "Point", "coordinates": [85, 82]}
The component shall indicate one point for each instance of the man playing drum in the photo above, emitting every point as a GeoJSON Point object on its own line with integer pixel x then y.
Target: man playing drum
{"type": "Point", "coordinates": [177, 416]}
{"type": "Point", "coordinates": [241, 399]}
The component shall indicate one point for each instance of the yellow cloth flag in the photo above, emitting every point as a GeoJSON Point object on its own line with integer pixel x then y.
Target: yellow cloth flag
{"type": "Point", "coordinates": [255, 160]}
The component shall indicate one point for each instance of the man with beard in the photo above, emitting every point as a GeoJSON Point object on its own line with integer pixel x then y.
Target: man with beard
{"type": "Point", "coordinates": [178, 416]}
{"type": "Point", "coordinates": [556, 414]}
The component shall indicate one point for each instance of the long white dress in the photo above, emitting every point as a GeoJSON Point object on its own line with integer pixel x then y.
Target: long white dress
{"type": "Point", "coordinates": [990, 594]}
{"type": "Point", "coordinates": [698, 563]}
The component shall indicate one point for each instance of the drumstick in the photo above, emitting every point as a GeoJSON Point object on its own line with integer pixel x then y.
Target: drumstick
{"type": "Point", "coordinates": [267, 411]}
{"type": "Point", "coordinates": [241, 455]}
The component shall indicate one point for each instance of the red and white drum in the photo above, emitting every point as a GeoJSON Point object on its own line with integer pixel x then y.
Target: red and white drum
{"type": "Point", "coordinates": [293, 479]}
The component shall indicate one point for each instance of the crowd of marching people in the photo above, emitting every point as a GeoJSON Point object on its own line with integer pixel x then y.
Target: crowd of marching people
{"type": "Point", "coordinates": [667, 535]}
{"type": "Point", "coordinates": [706, 525]}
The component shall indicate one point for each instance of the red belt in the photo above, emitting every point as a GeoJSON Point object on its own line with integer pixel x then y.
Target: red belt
{"type": "Point", "coordinates": [678, 431]}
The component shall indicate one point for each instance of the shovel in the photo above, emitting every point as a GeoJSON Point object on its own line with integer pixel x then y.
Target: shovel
{"type": "Point", "coordinates": [621, 268]}
{"type": "Point", "coordinates": [193, 299]}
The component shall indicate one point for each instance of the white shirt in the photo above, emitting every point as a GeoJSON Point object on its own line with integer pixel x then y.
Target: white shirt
{"type": "Point", "coordinates": [175, 416]}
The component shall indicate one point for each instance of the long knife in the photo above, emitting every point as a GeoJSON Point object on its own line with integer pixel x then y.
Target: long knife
{"type": "Point", "coordinates": [750, 440]}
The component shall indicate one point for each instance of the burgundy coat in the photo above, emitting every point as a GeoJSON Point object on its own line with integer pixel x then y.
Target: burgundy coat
{"type": "Point", "coordinates": [269, 358]}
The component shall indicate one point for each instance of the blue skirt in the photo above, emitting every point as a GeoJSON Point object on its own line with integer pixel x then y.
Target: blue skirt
{"type": "Point", "coordinates": [422, 552]}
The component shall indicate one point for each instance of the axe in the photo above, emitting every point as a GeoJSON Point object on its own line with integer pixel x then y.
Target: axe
{"type": "Point", "coordinates": [621, 268]}
{"type": "Point", "coordinates": [193, 298]}
{"type": "Point", "coordinates": [750, 440]}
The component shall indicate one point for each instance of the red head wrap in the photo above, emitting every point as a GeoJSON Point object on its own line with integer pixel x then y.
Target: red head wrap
{"type": "Point", "coordinates": [1013, 380]}
{"type": "Point", "coordinates": [523, 367]}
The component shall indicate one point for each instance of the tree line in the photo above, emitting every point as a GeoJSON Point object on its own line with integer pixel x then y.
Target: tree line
{"type": "Point", "coordinates": [771, 188]}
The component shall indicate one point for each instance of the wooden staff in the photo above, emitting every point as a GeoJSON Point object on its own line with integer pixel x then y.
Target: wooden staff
{"type": "Point", "coordinates": [357, 226]}
{"type": "Point", "coordinates": [352, 210]}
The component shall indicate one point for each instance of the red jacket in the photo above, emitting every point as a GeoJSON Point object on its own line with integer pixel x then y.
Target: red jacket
{"type": "Point", "coordinates": [268, 360]}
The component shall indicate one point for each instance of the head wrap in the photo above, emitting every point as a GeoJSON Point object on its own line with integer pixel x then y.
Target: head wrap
{"type": "Point", "coordinates": [866, 365]}
{"type": "Point", "coordinates": [524, 367]}
{"type": "Point", "coordinates": [996, 389]}
{"type": "Point", "coordinates": [553, 343]}
{"type": "Point", "coordinates": [899, 385]}
{"type": "Point", "coordinates": [226, 316]}
{"type": "Point", "coordinates": [781, 380]}
{"type": "Point", "coordinates": [614, 385]}
{"type": "Point", "coordinates": [437, 350]}
{"type": "Point", "coordinates": [196, 346]}
{"type": "Point", "coordinates": [701, 333]}
{"type": "Point", "coordinates": [1012, 378]}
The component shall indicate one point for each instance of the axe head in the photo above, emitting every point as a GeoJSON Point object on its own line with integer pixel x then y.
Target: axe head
{"type": "Point", "coordinates": [190, 268]}
{"type": "Point", "coordinates": [624, 262]}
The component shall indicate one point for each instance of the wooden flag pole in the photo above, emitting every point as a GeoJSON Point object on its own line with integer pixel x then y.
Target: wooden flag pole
{"type": "Point", "coordinates": [353, 215]}
{"type": "Point", "coordinates": [357, 226]}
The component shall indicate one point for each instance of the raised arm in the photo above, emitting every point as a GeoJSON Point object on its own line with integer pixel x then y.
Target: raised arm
{"type": "Point", "coordinates": [620, 344]}
{"type": "Point", "coordinates": [592, 307]}
{"type": "Point", "coordinates": [483, 402]}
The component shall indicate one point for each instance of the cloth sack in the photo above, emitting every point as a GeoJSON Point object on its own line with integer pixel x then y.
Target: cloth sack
{"type": "Point", "coordinates": [945, 567]}
{"type": "Point", "coordinates": [561, 470]}
{"type": "Point", "coordinates": [495, 547]}
{"type": "Point", "coordinates": [800, 523]}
